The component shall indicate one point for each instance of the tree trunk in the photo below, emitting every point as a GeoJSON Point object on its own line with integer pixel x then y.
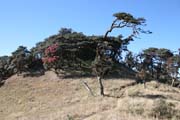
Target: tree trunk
{"type": "Point", "coordinates": [172, 84]}
{"type": "Point", "coordinates": [110, 30]}
{"type": "Point", "coordinates": [144, 83]}
{"type": "Point", "coordinates": [152, 72]}
{"type": "Point", "coordinates": [101, 86]}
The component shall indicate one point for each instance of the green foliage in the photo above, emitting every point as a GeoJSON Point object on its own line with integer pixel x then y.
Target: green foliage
{"type": "Point", "coordinates": [110, 50]}
{"type": "Point", "coordinates": [69, 117]}
{"type": "Point", "coordinates": [4, 61]}
{"type": "Point", "coordinates": [150, 51]}
{"type": "Point", "coordinates": [130, 60]}
{"type": "Point", "coordinates": [21, 58]}
{"type": "Point", "coordinates": [77, 52]}
{"type": "Point", "coordinates": [164, 54]}
{"type": "Point", "coordinates": [123, 19]}
{"type": "Point", "coordinates": [126, 17]}
{"type": "Point", "coordinates": [164, 63]}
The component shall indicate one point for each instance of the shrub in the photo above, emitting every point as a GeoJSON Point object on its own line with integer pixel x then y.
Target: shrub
{"type": "Point", "coordinates": [69, 117]}
{"type": "Point", "coordinates": [50, 54]}
{"type": "Point", "coordinates": [163, 110]}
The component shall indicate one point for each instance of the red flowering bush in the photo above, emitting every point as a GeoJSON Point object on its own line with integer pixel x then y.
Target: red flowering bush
{"type": "Point", "coordinates": [50, 59]}
{"type": "Point", "coordinates": [50, 54]}
{"type": "Point", "coordinates": [51, 49]}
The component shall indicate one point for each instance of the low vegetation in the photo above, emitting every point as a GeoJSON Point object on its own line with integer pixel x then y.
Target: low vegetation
{"type": "Point", "coordinates": [164, 110]}
{"type": "Point", "coordinates": [49, 97]}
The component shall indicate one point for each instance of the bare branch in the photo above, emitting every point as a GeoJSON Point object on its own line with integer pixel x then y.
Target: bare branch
{"type": "Point", "coordinates": [87, 87]}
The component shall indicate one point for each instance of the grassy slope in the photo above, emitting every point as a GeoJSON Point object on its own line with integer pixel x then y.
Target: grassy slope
{"type": "Point", "coordinates": [51, 98]}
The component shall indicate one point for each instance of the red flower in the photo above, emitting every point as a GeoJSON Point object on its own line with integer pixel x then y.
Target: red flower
{"type": "Point", "coordinates": [50, 56]}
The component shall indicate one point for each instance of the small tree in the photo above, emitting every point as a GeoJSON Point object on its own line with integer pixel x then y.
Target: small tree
{"type": "Point", "coordinates": [101, 65]}
{"type": "Point", "coordinates": [107, 50]}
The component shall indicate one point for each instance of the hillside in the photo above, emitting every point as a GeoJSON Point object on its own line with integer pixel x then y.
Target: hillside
{"type": "Point", "coordinates": [51, 98]}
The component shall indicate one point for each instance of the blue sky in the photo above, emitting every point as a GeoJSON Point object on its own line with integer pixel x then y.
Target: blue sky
{"type": "Point", "coordinates": [26, 22]}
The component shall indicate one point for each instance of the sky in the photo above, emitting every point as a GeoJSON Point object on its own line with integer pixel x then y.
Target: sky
{"type": "Point", "coordinates": [27, 22]}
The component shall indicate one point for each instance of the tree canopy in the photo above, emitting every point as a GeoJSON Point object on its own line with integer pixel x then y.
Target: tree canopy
{"type": "Point", "coordinates": [75, 53]}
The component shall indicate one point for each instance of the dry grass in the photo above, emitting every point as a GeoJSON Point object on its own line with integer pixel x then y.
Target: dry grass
{"type": "Point", "coordinates": [51, 98]}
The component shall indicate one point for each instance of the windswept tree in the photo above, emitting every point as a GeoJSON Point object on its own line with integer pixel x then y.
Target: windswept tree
{"type": "Point", "coordinates": [109, 49]}
{"type": "Point", "coordinates": [123, 19]}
